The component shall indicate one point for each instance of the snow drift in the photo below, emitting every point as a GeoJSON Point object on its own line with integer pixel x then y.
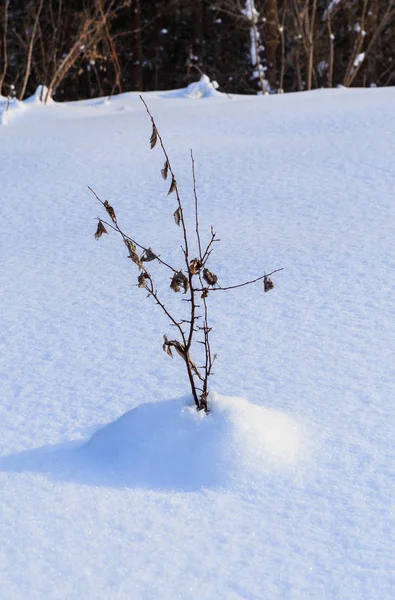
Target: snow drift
{"type": "Point", "coordinates": [169, 444]}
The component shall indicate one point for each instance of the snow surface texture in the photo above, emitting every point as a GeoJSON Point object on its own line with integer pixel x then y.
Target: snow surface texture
{"type": "Point", "coordinates": [289, 494]}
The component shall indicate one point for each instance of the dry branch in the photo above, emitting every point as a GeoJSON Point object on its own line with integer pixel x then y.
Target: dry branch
{"type": "Point", "coordinates": [196, 280]}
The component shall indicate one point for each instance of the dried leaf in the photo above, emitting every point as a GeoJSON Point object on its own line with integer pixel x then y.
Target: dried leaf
{"type": "Point", "coordinates": [148, 255]}
{"type": "Point", "coordinates": [174, 284]}
{"type": "Point", "coordinates": [154, 137]}
{"type": "Point", "coordinates": [173, 186]}
{"type": "Point", "coordinates": [100, 230]}
{"type": "Point", "coordinates": [133, 253]}
{"type": "Point", "coordinates": [165, 171]}
{"type": "Point", "coordinates": [267, 284]}
{"type": "Point", "coordinates": [142, 278]}
{"type": "Point", "coordinates": [209, 277]}
{"type": "Point", "coordinates": [167, 346]}
{"type": "Point", "coordinates": [179, 280]}
{"type": "Point", "coordinates": [179, 348]}
{"type": "Point", "coordinates": [204, 293]}
{"type": "Point", "coordinates": [177, 216]}
{"type": "Point", "coordinates": [110, 210]}
{"type": "Point", "coordinates": [195, 266]}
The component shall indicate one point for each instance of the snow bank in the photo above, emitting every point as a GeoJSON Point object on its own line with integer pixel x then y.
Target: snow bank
{"type": "Point", "coordinates": [169, 444]}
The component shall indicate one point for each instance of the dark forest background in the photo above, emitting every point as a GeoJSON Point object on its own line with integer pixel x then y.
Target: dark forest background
{"type": "Point", "coordinates": [87, 48]}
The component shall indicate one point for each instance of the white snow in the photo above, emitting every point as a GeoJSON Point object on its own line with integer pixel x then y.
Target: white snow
{"type": "Point", "coordinates": [169, 445]}
{"type": "Point", "coordinates": [359, 59]}
{"type": "Point", "coordinates": [111, 486]}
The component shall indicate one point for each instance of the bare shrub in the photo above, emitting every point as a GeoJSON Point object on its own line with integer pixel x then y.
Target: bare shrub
{"type": "Point", "coordinates": [192, 279]}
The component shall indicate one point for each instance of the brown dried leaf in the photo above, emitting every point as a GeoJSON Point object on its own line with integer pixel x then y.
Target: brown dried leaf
{"type": "Point", "coordinates": [100, 230]}
{"type": "Point", "coordinates": [209, 277]}
{"type": "Point", "coordinates": [174, 284]}
{"type": "Point", "coordinates": [110, 210]}
{"type": "Point", "coordinates": [267, 284]}
{"type": "Point", "coordinates": [195, 266]}
{"type": "Point", "coordinates": [165, 171]}
{"type": "Point", "coordinates": [133, 253]}
{"type": "Point", "coordinates": [148, 255]}
{"type": "Point", "coordinates": [173, 186]}
{"type": "Point", "coordinates": [142, 278]}
{"type": "Point", "coordinates": [154, 137]}
{"type": "Point", "coordinates": [204, 293]}
{"type": "Point", "coordinates": [177, 216]}
{"type": "Point", "coordinates": [179, 280]}
{"type": "Point", "coordinates": [179, 348]}
{"type": "Point", "coordinates": [167, 346]}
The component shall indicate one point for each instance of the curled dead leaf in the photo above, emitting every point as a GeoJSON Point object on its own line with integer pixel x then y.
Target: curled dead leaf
{"type": "Point", "coordinates": [267, 284]}
{"type": "Point", "coordinates": [154, 137]}
{"type": "Point", "coordinates": [133, 253]}
{"type": "Point", "coordinates": [172, 187]}
{"type": "Point", "coordinates": [180, 349]}
{"type": "Point", "coordinates": [110, 211]}
{"type": "Point", "coordinates": [100, 230]}
{"type": "Point", "coordinates": [142, 279]}
{"type": "Point", "coordinates": [177, 216]}
{"type": "Point", "coordinates": [167, 346]}
{"type": "Point", "coordinates": [204, 293]}
{"type": "Point", "coordinates": [195, 266]}
{"type": "Point", "coordinates": [148, 255]}
{"type": "Point", "coordinates": [179, 280]}
{"type": "Point", "coordinates": [209, 277]}
{"type": "Point", "coordinates": [165, 171]}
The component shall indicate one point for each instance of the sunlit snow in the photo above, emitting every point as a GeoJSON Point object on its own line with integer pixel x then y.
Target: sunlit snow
{"type": "Point", "coordinates": [112, 486]}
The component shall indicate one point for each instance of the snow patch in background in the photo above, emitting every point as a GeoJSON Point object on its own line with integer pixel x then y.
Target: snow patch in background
{"type": "Point", "coordinates": [8, 107]}
{"type": "Point", "coordinates": [39, 96]}
{"type": "Point", "coordinates": [204, 88]}
{"type": "Point", "coordinates": [12, 106]}
{"type": "Point", "coordinates": [171, 445]}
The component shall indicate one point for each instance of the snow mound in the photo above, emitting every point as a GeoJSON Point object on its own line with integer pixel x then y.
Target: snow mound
{"type": "Point", "coordinates": [204, 88]}
{"type": "Point", "coordinates": [169, 444]}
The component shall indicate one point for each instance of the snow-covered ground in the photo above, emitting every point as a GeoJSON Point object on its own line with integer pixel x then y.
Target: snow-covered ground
{"type": "Point", "coordinates": [287, 489]}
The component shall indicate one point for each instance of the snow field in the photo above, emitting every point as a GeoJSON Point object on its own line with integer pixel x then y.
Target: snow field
{"type": "Point", "coordinates": [97, 497]}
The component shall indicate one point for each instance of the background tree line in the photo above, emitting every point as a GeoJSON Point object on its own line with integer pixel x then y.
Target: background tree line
{"type": "Point", "coordinates": [87, 48]}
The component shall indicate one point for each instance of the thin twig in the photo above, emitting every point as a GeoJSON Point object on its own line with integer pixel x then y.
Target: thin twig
{"type": "Point", "coordinates": [206, 329]}
{"type": "Point", "coordinates": [233, 287]}
{"type": "Point", "coordinates": [127, 237]}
